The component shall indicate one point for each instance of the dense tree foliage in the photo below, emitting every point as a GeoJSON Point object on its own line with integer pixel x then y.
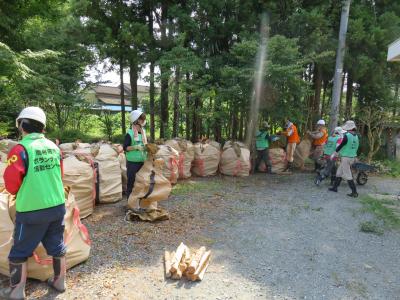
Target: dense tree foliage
{"type": "Point", "coordinates": [201, 54]}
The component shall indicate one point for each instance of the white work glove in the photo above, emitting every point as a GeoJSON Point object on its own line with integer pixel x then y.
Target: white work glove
{"type": "Point", "coordinates": [334, 154]}
{"type": "Point", "coordinates": [138, 147]}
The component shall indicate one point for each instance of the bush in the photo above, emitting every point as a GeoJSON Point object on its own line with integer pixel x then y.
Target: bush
{"type": "Point", "coordinates": [118, 138]}
{"type": "Point", "coordinates": [68, 136]}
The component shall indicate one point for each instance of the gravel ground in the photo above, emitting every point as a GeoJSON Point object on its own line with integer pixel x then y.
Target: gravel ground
{"type": "Point", "coordinates": [272, 237]}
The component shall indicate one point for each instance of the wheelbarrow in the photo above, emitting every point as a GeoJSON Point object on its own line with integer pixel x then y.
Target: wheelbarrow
{"type": "Point", "coordinates": [361, 170]}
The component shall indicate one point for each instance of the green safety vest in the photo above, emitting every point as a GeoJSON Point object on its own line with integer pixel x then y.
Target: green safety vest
{"type": "Point", "coordinates": [330, 146]}
{"type": "Point", "coordinates": [351, 147]}
{"type": "Point", "coordinates": [136, 155]}
{"type": "Point", "coordinates": [261, 140]}
{"type": "Point", "coordinates": [42, 186]}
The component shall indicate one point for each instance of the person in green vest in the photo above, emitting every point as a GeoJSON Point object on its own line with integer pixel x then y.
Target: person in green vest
{"type": "Point", "coordinates": [263, 140]}
{"type": "Point", "coordinates": [347, 151]}
{"type": "Point", "coordinates": [34, 175]}
{"type": "Point", "coordinates": [134, 147]}
{"type": "Point", "coordinates": [329, 168]}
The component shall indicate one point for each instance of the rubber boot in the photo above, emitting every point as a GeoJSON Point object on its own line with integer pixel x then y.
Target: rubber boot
{"type": "Point", "coordinates": [60, 269]}
{"type": "Point", "coordinates": [16, 291]}
{"type": "Point", "coordinates": [318, 180]}
{"type": "Point", "coordinates": [289, 167]}
{"type": "Point", "coordinates": [269, 170]}
{"type": "Point", "coordinates": [338, 180]}
{"type": "Point", "coordinates": [352, 185]}
{"type": "Point", "coordinates": [333, 179]}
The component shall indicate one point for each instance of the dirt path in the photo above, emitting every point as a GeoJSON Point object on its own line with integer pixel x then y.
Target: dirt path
{"type": "Point", "coordinates": [277, 237]}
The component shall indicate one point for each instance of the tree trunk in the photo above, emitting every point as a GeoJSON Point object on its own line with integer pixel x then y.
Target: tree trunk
{"type": "Point", "coordinates": [325, 86]}
{"type": "Point", "coordinates": [152, 88]}
{"type": "Point", "coordinates": [164, 79]}
{"type": "Point", "coordinates": [235, 125]}
{"type": "Point", "coordinates": [195, 121]}
{"type": "Point", "coordinates": [349, 96]}
{"type": "Point", "coordinates": [317, 93]}
{"type": "Point", "coordinates": [121, 77]}
{"type": "Point", "coordinates": [176, 103]}
{"type": "Point", "coordinates": [241, 122]}
{"type": "Point", "coordinates": [187, 109]}
{"type": "Point", "coordinates": [341, 106]}
{"type": "Point", "coordinates": [152, 92]}
{"type": "Point", "coordinates": [396, 99]}
{"type": "Point", "coordinates": [133, 74]}
{"type": "Point", "coordinates": [339, 65]}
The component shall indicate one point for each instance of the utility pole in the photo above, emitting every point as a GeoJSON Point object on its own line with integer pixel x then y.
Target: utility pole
{"type": "Point", "coordinates": [337, 81]}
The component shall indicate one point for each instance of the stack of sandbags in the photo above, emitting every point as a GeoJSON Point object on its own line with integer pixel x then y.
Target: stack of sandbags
{"type": "Point", "coordinates": [76, 238]}
{"type": "Point", "coordinates": [170, 157]}
{"type": "Point", "coordinates": [2, 169]}
{"type": "Point", "coordinates": [235, 159]}
{"type": "Point", "coordinates": [5, 147]}
{"type": "Point", "coordinates": [278, 160]}
{"type": "Point", "coordinates": [207, 156]}
{"type": "Point", "coordinates": [67, 149]}
{"type": "Point", "coordinates": [303, 151]}
{"type": "Point", "coordinates": [150, 186]}
{"type": "Point", "coordinates": [186, 156]}
{"type": "Point", "coordinates": [183, 262]}
{"type": "Point", "coordinates": [124, 175]}
{"type": "Point", "coordinates": [80, 176]}
{"type": "Point", "coordinates": [109, 181]}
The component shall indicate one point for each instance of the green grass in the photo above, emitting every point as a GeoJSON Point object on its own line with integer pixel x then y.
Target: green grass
{"type": "Point", "coordinates": [190, 187]}
{"type": "Point", "coordinates": [371, 227]}
{"type": "Point", "coordinates": [394, 168]}
{"type": "Point", "coordinates": [384, 214]}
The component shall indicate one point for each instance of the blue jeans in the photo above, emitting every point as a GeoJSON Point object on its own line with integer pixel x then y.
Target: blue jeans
{"type": "Point", "coordinates": [44, 226]}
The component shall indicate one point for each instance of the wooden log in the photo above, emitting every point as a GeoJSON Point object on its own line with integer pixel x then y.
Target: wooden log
{"type": "Point", "coordinates": [188, 256]}
{"type": "Point", "coordinates": [196, 259]}
{"type": "Point", "coordinates": [203, 262]}
{"type": "Point", "coordinates": [167, 263]}
{"type": "Point", "coordinates": [201, 275]}
{"type": "Point", "coordinates": [177, 275]}
{"type": "Point", "coordinates": [177, 258]}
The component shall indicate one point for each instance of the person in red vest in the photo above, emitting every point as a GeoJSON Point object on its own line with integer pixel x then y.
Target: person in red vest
{"type": "Point", "coordinates": [293, 139]}
{"type": "Point", "coordinates": [320, 137]}
{"type": "Point", "coordinates": [34, 175]}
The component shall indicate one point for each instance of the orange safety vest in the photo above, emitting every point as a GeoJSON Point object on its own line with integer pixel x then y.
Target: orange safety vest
{"type": "Point", "coordinates": [321, 141]}
{"type": "Point", "coordinates": [294, 138]}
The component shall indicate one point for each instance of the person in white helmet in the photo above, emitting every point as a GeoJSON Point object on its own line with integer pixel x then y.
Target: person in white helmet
{"type": "Point", "coordinates": [134, 147]}
{"type": "Point", "coordinates": [330, 162]}
{"type": "Point", "coordinates": [320, 137]}
{"type": "Point", "coordinates": [34, 175]}
{"type": "Point", "coordinates": [347, 150]}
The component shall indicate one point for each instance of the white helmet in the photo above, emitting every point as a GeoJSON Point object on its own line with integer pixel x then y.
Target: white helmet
{"type": "Point", "coordinates": [135, 115]}
{"type": "Point", "coordinates": [321, 122]}
{"type": "Point", "coordinates": [33, 113]}
{"type": "Point", "coordinates": [349, 125]}
{"type": "Point", "coordinates": [340, 130]}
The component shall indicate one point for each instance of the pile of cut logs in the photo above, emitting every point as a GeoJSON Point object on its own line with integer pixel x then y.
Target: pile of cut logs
{"type": "Point", "coordinates": [183, 262]}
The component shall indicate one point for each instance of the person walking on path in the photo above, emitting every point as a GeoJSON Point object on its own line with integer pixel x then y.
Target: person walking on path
{"type": "Point", "coordinates": [320, 137]}
{"type": "Point", "coordinates": [292, 140]}
{"type": "Point", "coordinates": [34, 175]}
{"type": "Point", "coordinates": [348, 153]}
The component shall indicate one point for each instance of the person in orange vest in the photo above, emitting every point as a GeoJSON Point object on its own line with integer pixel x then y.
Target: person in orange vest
{"type": "Point", "coordinates": [34, 175]}
{"type": "Point", "coordinates": [320, 137]}
{"type": "Point", "coordinates": [292, 140]}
